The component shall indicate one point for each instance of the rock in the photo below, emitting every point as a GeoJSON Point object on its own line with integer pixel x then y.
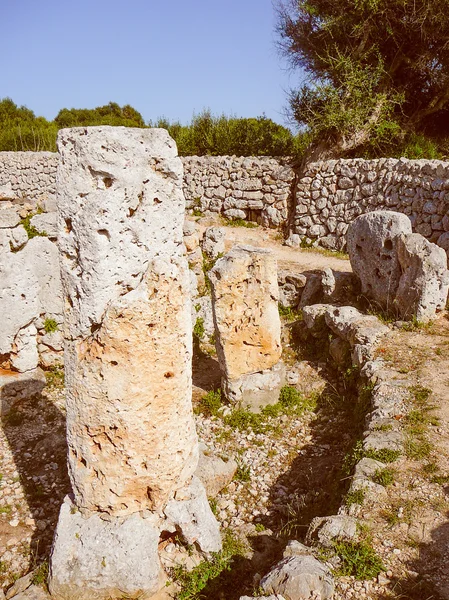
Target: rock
{"type": "Point", "coordinates": [314, 318]}
{"type": "Point", "coordinates": [366, 468]}
{"type": "Point", "coordinates": [126, 288]}
{"type": "Point", "coordinates": [245, 306]}
{"type": "Point", "coordinates": [340, 351]}
{"type": "Point", "coordinates": [297, 577]}
{"type": "Point", "coordinates": [424, 283]}
{"type": "Point", "coordinates": [202, 309]}
{"type": "Point", "coordinates": [9, 217]}
{"type": "Point", "coordinates": [24, 355]}
{"type": "Point", "coordinates": [96, 558]}
{"type": "Point", "coordinates": [19, 238]}
{"type": "Point", "coordinates": [354, 327]}
{"type": "Point", "coordinates": [45, 223]}
{"type": "Point", "coordinates": [325, 530]}
{"type": "Point", "coordinates": [34, 592]}
{"type": "Point", "coordinates": [372, 246]}
{"type": "Point", "coordinates": [312, 291]}
{"type": "Point", "coordinates": [295, 548]}
{"type": "Point", "coordinates": [256, 390]}
{"type": "Point", "coordinates": [214, 472]}
{"type": "Point", "coordinates": [443, 240]}
{"type": "Point", "coordinates": [20, 585]}
{"type": "Point", "coordinates": [193, 517]}
{"type": "Point", "coordinates": [214, 241]}
{"type": "Point", "coordinates": [291, 286]}
{"type": "Point", "coordinates": [384, 440]}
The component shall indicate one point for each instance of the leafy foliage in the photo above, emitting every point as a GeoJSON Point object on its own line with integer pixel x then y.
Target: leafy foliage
{"type": "Point", "coordinates": [222, 135]}
{"type": "Point", "coordinates": [378, 72]}
{"type": "Point", "coordinates": [358, 559]}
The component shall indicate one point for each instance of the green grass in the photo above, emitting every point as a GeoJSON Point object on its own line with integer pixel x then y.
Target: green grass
{"type": "Point", "coordinates": [30, 229]}
{"type": "Point", "coordinates": [192, 583]}
{"type": "Point", "coordinates": [5, 510]}
{"type": "Point", "coordinates": [289, 314]}
{"type": "Point", "coordinates": [325, 252]}
{"type": "Point", "coordinates": [55, 377]}
{"type": "Point", "coordinates": [384, 476]}
{"type": "Point", "coordinates": [210, 404]}
{"type": "Point", "coordinates": [384, 455]}
{"type": "Point", "coordinates": [208, 264]}
{"type": "Point", "coordinates": [50, 325]}
{"type": "Point", "coordinates": [355, 497]}
{"type": "Point", "coordinates": [239, 223]}
{"type": "Point", "coordinates": [198, 329]}
{"type": "Point", "coordinates": [358, 559]}
{"type": "Point", "coordinates": [40, 575]}
{"type": "Point", "coordinates": [243, 473]}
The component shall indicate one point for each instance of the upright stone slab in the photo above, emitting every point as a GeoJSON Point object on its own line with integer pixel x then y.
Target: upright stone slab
{"type": "Point", "coordinates": [372, 246]}
{"type": "Point", "coordinates": [131, 436]}
{"type": "Point", "coordinates": [248, 329]}
{"type": "Point", "coordinates": [401, 271]}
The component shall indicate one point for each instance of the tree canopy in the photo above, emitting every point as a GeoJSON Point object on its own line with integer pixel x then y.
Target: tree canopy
{"type": "Point", "coordinates": [378, 71]}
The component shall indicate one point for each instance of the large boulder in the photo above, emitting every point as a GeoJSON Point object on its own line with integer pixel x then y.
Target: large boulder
{"type": "Point", "coordinates": [372, 246]}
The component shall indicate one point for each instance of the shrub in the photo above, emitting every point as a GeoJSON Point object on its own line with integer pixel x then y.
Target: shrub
{"type": "Point", "coordinates": [358, 559]}
{"type": "Point", "coordinates": [210, 404]}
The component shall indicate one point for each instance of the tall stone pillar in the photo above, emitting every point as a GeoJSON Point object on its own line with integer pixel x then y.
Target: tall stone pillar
{"type": "Point", "coordinates": [132, 444]}
{"type": "Point", "coordinates": [245, 298]}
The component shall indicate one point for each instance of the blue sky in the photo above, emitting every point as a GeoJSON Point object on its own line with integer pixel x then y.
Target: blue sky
{"type": "Point", "coordinates": [166, 58]}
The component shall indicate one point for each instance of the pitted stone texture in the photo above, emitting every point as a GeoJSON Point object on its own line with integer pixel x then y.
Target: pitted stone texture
{"type": "Point", "coordinates": [372, 245]}
{"type": "Point", "coordinates": [214, 241]}
{"type": "Point", "coordinates": [257, 390]}
{"type": "Point", "coordinates": [116, 557]}
{"type": "Point", "coordinates": [298, 577]}
{"type": "Point", "coordinates": [29, 288]}
{"type": "Point", "coordinates": [24, 355]}
{"type": "Point", "coordinates": [424, 284]}
{"type": "Point", "coordinates": [214, 472]}
{"type": "Point", "coordinates": [193, 518]}
{"type": "Point", "coordinates": [245, 307]}
{"type": "Point", "coordinates": [131, 435]}
{"type": "Point", "coordinates": [244, 300]}
{"type": "Point", "coordinates": [324, 530]}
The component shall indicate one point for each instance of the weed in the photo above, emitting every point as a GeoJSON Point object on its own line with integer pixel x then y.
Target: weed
{"type": "Point", "coordinates": [242, 420]}
{"type": "Point", "coordinates": [212, 339]}
{"type": "Point", "coordinates": [196, 212]}
{"type": "Point", "coordinates": [384, 476]}
{"type": "Point", "coordinates": [210, 404]}
{"type": "Point", "coordinates": [193, 582]}
{"type": "Point", "coordinates": [420, 394]}
{"type": "Point", "coordinates": [440, 479]}
{"type": "Point", "coordinates": [259, 527]}
{"type": "Point", "coordinates": [355, 497]}
{"type": "Point", "coordinates": [325, 251]}
{"type": "Point", "coordinates": [40, 575]}
{"type": "Point", "coordinates": [213, 505]}
{"type": "Point", "coordinates": [5, 510]}
{"type": "Point", "coordinates": [208, 264]}
{"type": "Point", "coordinates": [198, 329]}
{"type": "Point", "coordinates": [430, 468]}
{"type": "Point", "coordinates": [417, 449]}
{"type": "Point", "coordinates": [30, 229]}
{"type": "Point", "coordinates": [384, 455]}
{"type": "Point", "coordinates": [358, 559]}
{"type": "Point", "coordinates": [239, 223]}
{"type": "Point", "coordinates": [197, 307]}
{"type": "Point", "coordinates": [385, 427]}
{"type": "Point", "coordinates": [50, 325]}
{"type": "Point", "coordinates": [243, 473]}
{"type": "Point", "coordinates": [55, 377]}
{"type": "Point", "coordinates": [289, 314]}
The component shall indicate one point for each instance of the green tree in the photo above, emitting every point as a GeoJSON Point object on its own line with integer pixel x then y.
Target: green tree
{"type": "Point", "coordinates": [378, 71]}
{"type": "Point", "coordinates": [109, 114]}
{"type": "Point", "coordinates": [21, 130]}
{"type": "Point", "coordinates": [223, 135]}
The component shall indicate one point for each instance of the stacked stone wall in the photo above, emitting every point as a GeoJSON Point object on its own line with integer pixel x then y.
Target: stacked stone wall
{"type": "Point", "coordinates": [331, 194]}
{"type": "Point", "coordinates": [29, 175]}
{"type": "Point", "coordinates": [254, 188]}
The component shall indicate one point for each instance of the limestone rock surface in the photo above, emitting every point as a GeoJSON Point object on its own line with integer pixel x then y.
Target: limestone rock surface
{"type": "Point", "coordinates": [104, 553]}
{"type": "Point", "coordinates": [128, 329]}
{"type": "Point", "coordinates": [372, 246]}
{"type": "Point", "coordinates": [424, 283]}
{"type": "Point", "coordinates": [297, 577]}
{"type": "Point", "coordinates": [245, 304]}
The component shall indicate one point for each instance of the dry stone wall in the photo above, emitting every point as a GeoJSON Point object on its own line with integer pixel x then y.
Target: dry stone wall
{"type": "Point", "coordinates": [30, 175]}
{"type": "Point", "coordinates": [254, 188]}
{"type": "Point", "coordinates": [332, 194]}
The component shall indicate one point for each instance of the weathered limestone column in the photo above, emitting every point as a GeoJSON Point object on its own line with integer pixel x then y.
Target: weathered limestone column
{"type": "Point", "coordinates": [131, 436]}
{"type": "Point", "coordinates": [245, 298]}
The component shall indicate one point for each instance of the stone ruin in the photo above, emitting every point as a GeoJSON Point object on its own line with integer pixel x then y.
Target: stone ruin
{"type": "Point", "coordinates": [132, 443]}
{"type": "Point", "coordinates": [400, 271]}
{"type": "Point", "coordinates": [248, 328]}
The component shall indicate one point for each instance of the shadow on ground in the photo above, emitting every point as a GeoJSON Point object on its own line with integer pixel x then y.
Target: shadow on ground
{"type": "Point", "coordinates": [35, 429]}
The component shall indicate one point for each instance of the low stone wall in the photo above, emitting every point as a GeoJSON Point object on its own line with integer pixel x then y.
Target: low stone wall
{"type": "Point", "coordinates": [254, 188]}
{"type": "Point", "coordinates": [30, 176]}
{"type": "Point", "coordinates": [331, 194]}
